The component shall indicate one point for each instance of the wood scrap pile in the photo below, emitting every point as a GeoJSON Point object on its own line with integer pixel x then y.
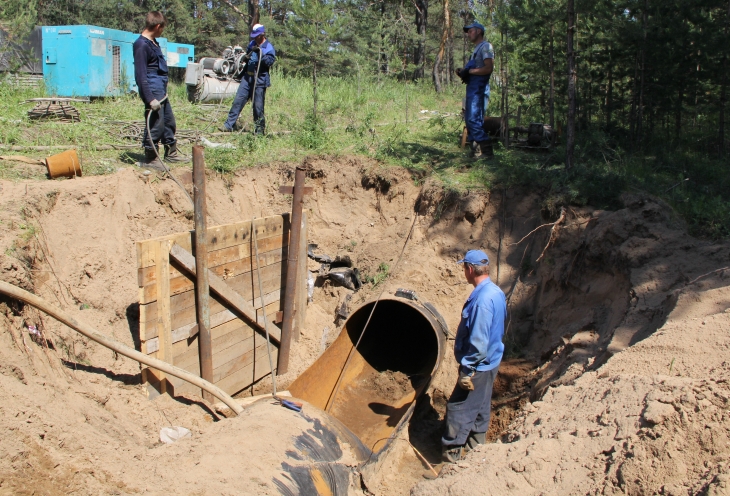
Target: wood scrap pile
{"type": "Point", "coordinates": [55, 109]}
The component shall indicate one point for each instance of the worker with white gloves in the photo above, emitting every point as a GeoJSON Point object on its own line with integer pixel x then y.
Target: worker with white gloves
{"type": "Point", "coordinates": [150, 74]}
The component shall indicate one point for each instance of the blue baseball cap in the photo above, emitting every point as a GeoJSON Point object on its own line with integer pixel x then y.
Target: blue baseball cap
{"type": "Point", "coordinates": [257, 30]}
{"type": "Point", "coordinates": [473, 25]}
{"type": "Point", "coordinates": [475, 257]}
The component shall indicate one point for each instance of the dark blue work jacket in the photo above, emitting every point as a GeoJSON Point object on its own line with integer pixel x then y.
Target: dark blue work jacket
{"type": "Point", "coordinates": [150, 70]}
{"type": "Point", "coordinates": [268, 57]}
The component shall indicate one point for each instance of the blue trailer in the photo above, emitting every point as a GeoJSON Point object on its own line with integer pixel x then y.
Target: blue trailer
{"type": "Point", "coordinates": [91, 61]}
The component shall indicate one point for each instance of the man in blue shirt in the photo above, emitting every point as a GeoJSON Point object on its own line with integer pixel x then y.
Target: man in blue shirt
{"type": "Point", "coordinates": [475, 75]}
{"type": "Point", "coordinates": [260, 56]}
{"type": "Point", "coordinates": [150, 74]}
{"type": "Point", "coordinates": [478, 350]}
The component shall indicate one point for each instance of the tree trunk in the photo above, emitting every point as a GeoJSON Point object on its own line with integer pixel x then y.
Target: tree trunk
{"type": "Point", "coordinates": [678, 113]}
{"type": "Point", "coordinates": [442, 49]}
{"type": "Point", "coordinates": [314, 89]}
{"type": "Point", "coordinates": [419, 56]}
{"type": "Point", "coordinates": [253, 12]}
{"type": "Point", "coordinates": [506, 86]}
{"type": "Point", "coordinates": [640, 110]}
{"type": "Point", "coordinates": [609, 92]}
{"type": "Point", "coordinates": [572, 79]}
{"type": "Point", "coordinates": [552, 77]}
{"type": "Point", "coordinates": [723, 90]}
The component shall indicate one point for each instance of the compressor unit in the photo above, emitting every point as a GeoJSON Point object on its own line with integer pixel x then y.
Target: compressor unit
{"type": "Point", "coordinates": [214, 79]}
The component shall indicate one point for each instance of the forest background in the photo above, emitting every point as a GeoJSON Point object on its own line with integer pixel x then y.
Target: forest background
{"type": "Point", "coordinates": [637, 88]}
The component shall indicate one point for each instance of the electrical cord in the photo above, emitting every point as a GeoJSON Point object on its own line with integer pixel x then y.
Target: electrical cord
{"type": "Point", "coordinates": [154, 147]}
{"type": "Point", "coordinates": [336, 389]}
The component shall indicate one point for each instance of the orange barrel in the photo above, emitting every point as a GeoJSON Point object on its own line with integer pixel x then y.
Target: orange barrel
{"type": "Point", "coordinates": [64, 164]}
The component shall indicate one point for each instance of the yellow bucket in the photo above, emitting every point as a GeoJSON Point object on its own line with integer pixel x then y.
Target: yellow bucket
{"type": "Point", "coordinates": [64, 164]}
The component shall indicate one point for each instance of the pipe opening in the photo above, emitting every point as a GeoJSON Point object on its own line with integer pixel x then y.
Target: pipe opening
{"type": "Point", "coordinates": [399, 338]}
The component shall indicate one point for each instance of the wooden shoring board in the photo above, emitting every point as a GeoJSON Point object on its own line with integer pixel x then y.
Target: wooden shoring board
{"type": "Point", "coordinates": [183, 304]}
{"type": "Point", "coordinates": [219, 237]}
{"type": "Point", "coordinates": [226, 263]}
{"type": "Point", "coordinates": [239, 349]}
{"type": "Point", "coordinates": [219, 319]}
{"type": "Point", "coordinates": [181, 283]}
{"type": "Point", "coordinates": [254, 366]}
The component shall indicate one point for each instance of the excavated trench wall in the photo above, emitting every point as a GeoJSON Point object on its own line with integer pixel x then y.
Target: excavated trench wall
{"type": "Point", "coordinates": [605, 282]}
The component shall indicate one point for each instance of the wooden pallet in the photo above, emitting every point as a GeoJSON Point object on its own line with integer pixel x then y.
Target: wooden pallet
{"type": "Point", "coordinates": [167, 302]}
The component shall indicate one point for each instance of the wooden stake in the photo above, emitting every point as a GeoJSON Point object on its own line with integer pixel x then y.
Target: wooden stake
{"type": "Point", "coordinates": [202, 289]}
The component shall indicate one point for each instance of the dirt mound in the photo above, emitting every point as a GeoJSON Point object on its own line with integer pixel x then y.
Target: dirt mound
{"type": "Point", "coordinates": [78, 420]}
{"type": "Point", "coordinates": [653, 419]}
{"type": "Point", "coordinates": [390, 385]}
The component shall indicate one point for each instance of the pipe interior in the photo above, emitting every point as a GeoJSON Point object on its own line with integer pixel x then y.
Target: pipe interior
{"type": "Point", "coordinates": [398, 338]}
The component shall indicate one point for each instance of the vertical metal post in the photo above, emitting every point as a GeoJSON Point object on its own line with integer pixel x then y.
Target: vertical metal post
{"type": "Point", "coordinates": [292, 269]}
{"type": "Point", "coordinates": [202, 290]}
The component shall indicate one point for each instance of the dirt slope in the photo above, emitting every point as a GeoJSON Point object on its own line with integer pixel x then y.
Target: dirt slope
{"type": "Point", "coordinates": [78, 420]}
{"type": "Point", "coordinates": [653, 420]}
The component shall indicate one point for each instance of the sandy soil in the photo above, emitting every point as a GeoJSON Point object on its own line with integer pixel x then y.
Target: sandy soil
{"type": "Point", "coordinates": [77, 419]}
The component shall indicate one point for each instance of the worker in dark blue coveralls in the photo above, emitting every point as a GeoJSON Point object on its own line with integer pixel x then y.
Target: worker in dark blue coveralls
{"type": "Point", "coordinates": [260, 56]}
{"type": "Point", "coordinates": [150, 74]}
{"type": "Point", "coordinates": [478, 349]}
{"type": "Point", "coordinates": [475, 75]}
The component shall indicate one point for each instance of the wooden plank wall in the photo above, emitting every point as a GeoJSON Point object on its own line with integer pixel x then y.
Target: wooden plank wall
{"type": "Point", "coordinates": [167, 310]}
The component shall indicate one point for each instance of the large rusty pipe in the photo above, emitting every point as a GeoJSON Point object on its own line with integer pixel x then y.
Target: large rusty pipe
{"type": "Point", "coordinates": [291, 270]}
{"type": "Point", "coordinates": [202, 289]}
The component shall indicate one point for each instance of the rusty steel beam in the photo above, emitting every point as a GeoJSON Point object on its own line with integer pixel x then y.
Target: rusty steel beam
{"type": "Point", "coordinates": [292, 269]}
{"type": "Point", "coordinates": [202, 288]}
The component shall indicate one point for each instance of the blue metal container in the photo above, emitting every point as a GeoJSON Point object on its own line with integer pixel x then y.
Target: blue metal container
{"type": "Point", "coordinates": [91, 61]}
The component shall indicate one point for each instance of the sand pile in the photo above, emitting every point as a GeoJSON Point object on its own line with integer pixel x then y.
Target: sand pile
{"type": "Point", "coordinates": [655, 419]}
{"type": "Point", "coordinates": [77, 419]}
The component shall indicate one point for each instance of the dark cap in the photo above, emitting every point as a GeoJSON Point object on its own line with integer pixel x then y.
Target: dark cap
{"type": "Point", "coordinates": [473, 25]}
{"type": "Point", "coordinates": [475, 257]}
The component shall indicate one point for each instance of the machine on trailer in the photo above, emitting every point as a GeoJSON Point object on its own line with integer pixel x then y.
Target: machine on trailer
{"type": "Point", "coordinates": [215, 79]}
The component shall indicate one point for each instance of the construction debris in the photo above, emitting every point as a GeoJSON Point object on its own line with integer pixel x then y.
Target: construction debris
{"type": "Point", "coordinates": [54, 109]}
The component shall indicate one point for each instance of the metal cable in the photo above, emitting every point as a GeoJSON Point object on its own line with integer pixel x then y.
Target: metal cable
{"type": "Point", "coordinates": [263, 306]}
{"type": "Point", "coordinates": [154, 147]}
{"type": "Point", "coordinates": [349, 355]}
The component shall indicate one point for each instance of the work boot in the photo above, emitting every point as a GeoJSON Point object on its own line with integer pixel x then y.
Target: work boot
{"type": "Point", "coordinates": [476, 151]}
{"type": "Point", "coordinates": [172, 154]}
{"type": "Point", "coordinates": [451, 454]}
{"type": "Point", "coordinates": [475, 439]}
{"type": "Point", "coordinates": [152, 161]}
{"type": "Point", "coordinates": [486, 148]}
{"type": "Point", "coordinates": [236, 128]}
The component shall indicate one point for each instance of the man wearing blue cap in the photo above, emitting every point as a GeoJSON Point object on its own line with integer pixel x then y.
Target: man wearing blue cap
{"type": "Point", "coordinates": [475, 75]}
{"type": "Point", "coordinates": [260, 56]}
{"type": "Point", "coordinates": [478, 348]}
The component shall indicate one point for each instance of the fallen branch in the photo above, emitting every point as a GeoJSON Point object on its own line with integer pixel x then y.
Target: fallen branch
{"type": "Point", "coordinates": [91, 333]}
{"type": "Point", "coordinates": [705, 275]}
{"type": "Point", "coordinates": [553, 233]}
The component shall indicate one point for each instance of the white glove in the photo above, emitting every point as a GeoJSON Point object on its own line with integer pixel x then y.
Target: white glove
{"type": "Point", "coordinates": [155, 105]}
{"type": "Point", "coordinates": [465, 381]}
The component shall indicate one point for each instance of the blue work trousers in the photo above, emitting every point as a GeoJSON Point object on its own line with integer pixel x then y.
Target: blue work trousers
{"type": "Point", "coordinates": [162, 122]}
{"type": "Point", "coordinates": [243, 95]}
{"type": "Point", "coordinates": [474, 108]}
{"type": "Point", "coordinates": [469, 411]}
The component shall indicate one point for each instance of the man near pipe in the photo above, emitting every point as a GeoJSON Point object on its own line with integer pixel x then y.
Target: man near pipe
{"type": "Point", "coordinates": [150, 74]}
{"type": "Point", "coordinates": [475, 75]}
{"type": "Point", "coordinates": [260, 56]}
{"type": "Point", "coordinates": [478, 349]}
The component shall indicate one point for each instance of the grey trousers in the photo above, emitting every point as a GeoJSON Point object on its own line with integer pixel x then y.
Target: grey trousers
{"type": "Point", "coordinates": [469, 411]}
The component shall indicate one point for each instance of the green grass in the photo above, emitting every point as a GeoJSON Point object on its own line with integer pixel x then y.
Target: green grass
{"type": "Point", "coordinates": [383, 120]}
